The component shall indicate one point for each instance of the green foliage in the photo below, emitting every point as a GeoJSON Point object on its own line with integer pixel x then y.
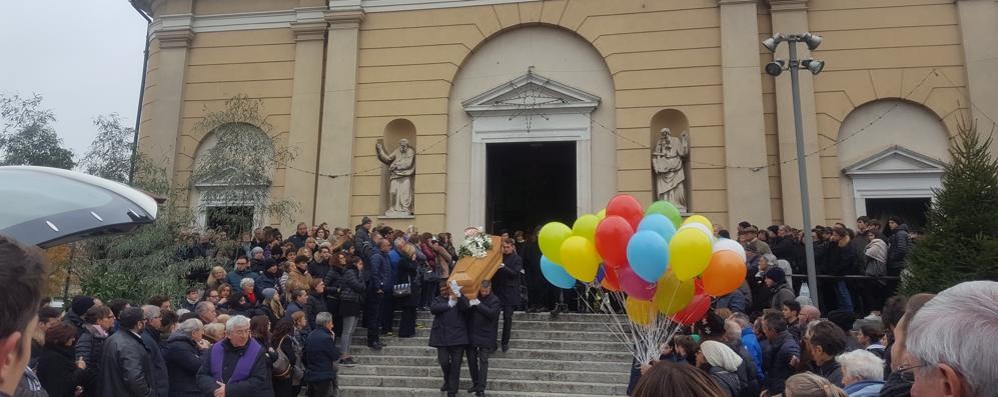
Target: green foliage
{"type": "Point", "coordinates": [110, 154]}
{"type": "Point", "coordinates": [140, 264]}
{"type": "Point", "coordinates": [27, 136]}
{"type": "Point", "coordinates": [962, 243]}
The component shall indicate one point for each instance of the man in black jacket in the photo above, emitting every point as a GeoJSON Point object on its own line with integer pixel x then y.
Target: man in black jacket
{"type": "Point", "coordinates": [237, 365]}
{"type": "Point", "coordinates": [300, 236]}
{"type": "Point", "coordinates": [449, 334]}
{"type": "Point", "coordinates": [377, 283]}
{"type": "Point", "coordinates": [483, 325]}
{"type": "Point", "coordinates": [507, 285]}
{"type": "Point", "coordinates": [127, 362]}
{"type": "Point", "coordinates": [152, 337]}
{"type": "Point", "coordinates": [320, 355]}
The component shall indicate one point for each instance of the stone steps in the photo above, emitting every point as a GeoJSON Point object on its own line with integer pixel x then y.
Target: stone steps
{"type": "Point", "coordinates": [567, 355]}
{"type": "Point", "coordinates": [540, 374]}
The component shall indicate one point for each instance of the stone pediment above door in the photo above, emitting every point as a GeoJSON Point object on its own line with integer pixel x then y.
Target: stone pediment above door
{"type": "Point", "coordinates": [896, 160]}
{"type": "Point", "coordinates": [531, 93]}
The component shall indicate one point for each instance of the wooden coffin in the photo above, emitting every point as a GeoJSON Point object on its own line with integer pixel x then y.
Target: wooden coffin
{"type": "Point", "coordinates": [470, 271]}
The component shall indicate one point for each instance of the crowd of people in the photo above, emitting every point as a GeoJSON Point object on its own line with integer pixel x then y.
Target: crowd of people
{"type": "Point", "coordinates": [280, 320]}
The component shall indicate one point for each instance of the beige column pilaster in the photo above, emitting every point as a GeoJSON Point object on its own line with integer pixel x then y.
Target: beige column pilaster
{"type": "Point", "coordinates": [306, 106]}
{"type": "Point", "coordinates": [979, 32]}
{"type": "Point", "coordinates": [790, 16]}
{"type": "Point", "coordinates": [338, 111]}
{"type": "Point", "coordinates": [744, 128]}
{"type": "Point", "coordinates": [160, 137]}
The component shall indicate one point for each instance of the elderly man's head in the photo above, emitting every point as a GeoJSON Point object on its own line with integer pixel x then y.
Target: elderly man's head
{"type": "Point", "coordinates": [860, 365]}
{"type": "Point", "coordinates": [237, 330]}
{"type": "Point", "coordinates": [954, 341]}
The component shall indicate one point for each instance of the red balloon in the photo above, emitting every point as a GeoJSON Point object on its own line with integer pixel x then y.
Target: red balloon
{"type": "Point", "coordinates": [698, 286]}
{"type": "Point", "coordinates": [612, 235]}
{"type": "Point", "coordinates": [694, 311]}
{"type": "Point", "coordinates": [610, 280]}
{"type": "Point", "coordinates": [627, 207]}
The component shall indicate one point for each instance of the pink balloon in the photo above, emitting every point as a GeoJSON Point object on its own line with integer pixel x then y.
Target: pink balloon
{"type": "Point", "coordinates": [627, 207]}
{"type": "Point", "coordinates": [634, 285]}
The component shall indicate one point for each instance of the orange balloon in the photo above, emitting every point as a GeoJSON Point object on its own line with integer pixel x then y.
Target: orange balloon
{"type": "Point", "coordinates": [724, 274]}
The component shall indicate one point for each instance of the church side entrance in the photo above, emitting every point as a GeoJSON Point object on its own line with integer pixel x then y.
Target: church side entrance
{"type": "Point", "coordinates": [529, 184]}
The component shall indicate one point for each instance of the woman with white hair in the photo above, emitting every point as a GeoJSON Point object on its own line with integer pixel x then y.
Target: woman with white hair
{"type": "Point", "coordinates": [183, 357]}
{"type": "Point", "coordinates": [718, 360]}
{"type": "Point", "coordinates": [862, 373]}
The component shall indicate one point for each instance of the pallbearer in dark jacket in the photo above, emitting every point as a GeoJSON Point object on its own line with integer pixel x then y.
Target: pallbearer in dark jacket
{"type": "Point", "coordinates": [507, 286]}
{"type": "Point", "coordinates": [236, 365]}
{"type": "Point", "coordinates": [483, 327]}
{"type": "Point", "coordinates": [449, 334]}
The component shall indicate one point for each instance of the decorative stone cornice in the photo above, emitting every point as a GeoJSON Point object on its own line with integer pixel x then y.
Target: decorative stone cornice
{"type": "Point", "coordinates": [175, 37]}
{"type": "Point", "coordinates": [733, 2]}
{"type": "Point", "coordinates": [346, 19]}
{"type": "Point", "coordinates": [309, 31]}
{"type": "Point", "coordinates": [788, 5]}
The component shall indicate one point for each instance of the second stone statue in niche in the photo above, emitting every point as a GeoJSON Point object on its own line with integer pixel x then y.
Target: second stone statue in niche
{"type": "Point", "coordinates": [668, 162]}
{"type": "Point", "coordinates": [401, 169]}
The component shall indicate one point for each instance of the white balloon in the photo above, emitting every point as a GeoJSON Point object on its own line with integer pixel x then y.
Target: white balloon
{"type": "Point", "coordinates": [727, 244]}
{"type": "Point", "coordinates": [700, 227]}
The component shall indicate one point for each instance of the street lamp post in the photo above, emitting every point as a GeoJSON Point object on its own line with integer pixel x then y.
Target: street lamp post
{"type": "Point", "coordinates": [774, 69]}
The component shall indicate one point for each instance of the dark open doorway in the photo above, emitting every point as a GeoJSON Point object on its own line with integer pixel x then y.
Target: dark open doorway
{"type": "Point", "coordinates": [529, 184]}
{"type": "Point", "coordinates": [912, 211]}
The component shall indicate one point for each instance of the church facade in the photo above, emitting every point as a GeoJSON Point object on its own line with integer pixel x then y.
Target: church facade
{"type": "Point", "coordinates": [517, 112]}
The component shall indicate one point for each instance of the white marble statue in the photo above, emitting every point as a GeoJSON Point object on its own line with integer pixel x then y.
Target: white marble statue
{"type": "Point", "coordinates": [401, 168]}
{"type": "Point", "coordinates": [668, 162]}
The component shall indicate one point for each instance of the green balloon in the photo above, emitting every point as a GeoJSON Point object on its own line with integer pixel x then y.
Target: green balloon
{"type": "Point", "coordinates": [666, 208]}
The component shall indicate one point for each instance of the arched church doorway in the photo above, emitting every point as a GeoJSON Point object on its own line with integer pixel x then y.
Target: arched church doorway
{"type": "Point", "coordinates": [886, 176]}
{"type": "Point", "coordinates": [524, 104]}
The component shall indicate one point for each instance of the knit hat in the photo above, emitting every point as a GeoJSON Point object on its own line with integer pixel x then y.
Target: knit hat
{"type": "Point", "coordinates": [720, 355]}
{"type": "Point", "coordinates": [269, 293]}
{"type": "Point", "coordinates": [777, 274]}
{"type": "Point", "coordinates": [81, 304]}
{"type": "Point", "coordinates": [711, 326]}
{"type": "Point", "coordinates": [255, 250]}
{"type": "Point", "coordinates": [365, 220]}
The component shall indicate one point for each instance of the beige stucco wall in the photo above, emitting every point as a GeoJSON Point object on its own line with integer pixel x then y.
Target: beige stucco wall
{"type": "Point", "coordinates": [657, 55]}
{"type": "Point", "coordinates": [909, 49]}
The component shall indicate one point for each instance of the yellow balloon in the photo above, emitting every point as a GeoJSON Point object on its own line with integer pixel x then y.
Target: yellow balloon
{"type": "Point", "coordinates": [579, 258]}
{"type": "Point", "coordinates": [639, 311]}
{"type": "Point", "coordinates": [689, 253]}
{"type": "Point", "coordinates": [701, 220]}
{"type": "Point", "coordinates": [673, 295]}
{"type": "Point", "coordinates": [601, 214]}
{"type": "Point", "coordinates": [585, 226]}
{"type": "Point", "coordinates": [550, 238]}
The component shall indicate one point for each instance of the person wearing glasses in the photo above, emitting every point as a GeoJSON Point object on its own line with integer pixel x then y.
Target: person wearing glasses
{"type": "Point", "coordinates": [951, 342]}
{"type": "Point", "coordinates": [237, 365]}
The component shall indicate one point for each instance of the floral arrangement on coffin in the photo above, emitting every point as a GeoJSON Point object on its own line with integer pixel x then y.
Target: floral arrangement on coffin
{"type": "Point", "coordinates": [476, 244]}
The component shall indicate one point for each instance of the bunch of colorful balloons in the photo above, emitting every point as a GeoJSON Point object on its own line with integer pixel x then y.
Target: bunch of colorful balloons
{"type": "Point", "coordinates": [663, 263]}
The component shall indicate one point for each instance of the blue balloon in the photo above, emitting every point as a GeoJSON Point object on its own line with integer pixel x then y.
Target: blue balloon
{"type": "Point", "coordinates": [648, 254]}
{"type": "Point", "coordinates": [556, 275]}
{"type": "Point", "coordinates": [658, 223]}
{"type": "Point", "coordinates": [600, 274]}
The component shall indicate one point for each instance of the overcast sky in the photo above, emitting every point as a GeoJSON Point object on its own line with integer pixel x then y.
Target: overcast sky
{"type": "Point", "coordinates": [83, 57]}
